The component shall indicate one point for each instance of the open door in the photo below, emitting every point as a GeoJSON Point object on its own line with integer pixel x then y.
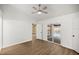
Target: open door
{"type": "Point", "coordinates": [49, 34]}
{"type": "Point", "coordinates": [56, 33]}
{"type": "Point", "coordinates": [33, 31]}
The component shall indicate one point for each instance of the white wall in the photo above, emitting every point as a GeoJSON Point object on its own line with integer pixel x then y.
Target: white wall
{"type": "Point", "coordinates": [17, 27]}
{"type": "Point", "coordinates": [66, 29]}
{"type": "Point", "coordinates": [0, 29]}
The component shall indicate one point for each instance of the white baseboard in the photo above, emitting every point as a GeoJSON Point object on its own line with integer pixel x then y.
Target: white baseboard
{"type": "Point", "coordinates": [31, 40]}
{"type": "Point", "coordinates": [8, 45]}
{"type": "Point", "coordinates": [65, 46]}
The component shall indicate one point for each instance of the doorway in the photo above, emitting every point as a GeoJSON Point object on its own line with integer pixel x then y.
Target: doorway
{"type": "Point", "coordinates": [34, 31]}
{"type": "Point", "coordinates": [53, 33]}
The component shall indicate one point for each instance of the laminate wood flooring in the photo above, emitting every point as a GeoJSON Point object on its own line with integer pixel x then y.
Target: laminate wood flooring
{"type": "Point", "coordinates": [37, 47]}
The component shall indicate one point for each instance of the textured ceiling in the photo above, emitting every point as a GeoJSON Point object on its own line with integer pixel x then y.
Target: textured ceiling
{"type": "Point", "coordinates": [53, 10]}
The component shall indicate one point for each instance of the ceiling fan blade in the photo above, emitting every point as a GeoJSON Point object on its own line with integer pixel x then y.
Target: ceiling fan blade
{"type": "Point", "coordinates": [45, 12]}
{"type": "Point", "coordinates": [39, 5]}
{"type": "Point", "coordinates": [45, 8]}
{"type": "Point", "coordinates": [34, 12]}
{"type": "Point", "coordinates": [34, 8]}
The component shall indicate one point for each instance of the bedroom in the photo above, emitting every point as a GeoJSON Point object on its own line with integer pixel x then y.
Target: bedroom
{"type": "Point", "coordinates": [25, 31]}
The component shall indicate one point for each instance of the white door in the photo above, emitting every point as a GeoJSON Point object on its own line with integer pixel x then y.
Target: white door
{"type": "Point", "coordinates": [39, 31]}
{"type": "Point", "coordinates": [75, 34]}
{"type": "Point", "coordinates": [45, 30]}
{"type": "Point", "coordinates": [75, 40]}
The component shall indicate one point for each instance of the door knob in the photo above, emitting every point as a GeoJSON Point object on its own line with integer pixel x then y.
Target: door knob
{"type": "Point", "coordinates": [73, 35]}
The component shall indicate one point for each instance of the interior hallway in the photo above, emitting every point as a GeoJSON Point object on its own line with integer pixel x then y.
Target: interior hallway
{"type": "Point", "coordinates": [37, 47]}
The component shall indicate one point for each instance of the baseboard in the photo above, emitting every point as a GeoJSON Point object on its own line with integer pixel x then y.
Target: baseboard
{"type": "Point", "coordinates": [64, 46]}
{"type": "Point", "coordinates": [76, 51]}
{"type": "Point", "coordinates": [16, 43]}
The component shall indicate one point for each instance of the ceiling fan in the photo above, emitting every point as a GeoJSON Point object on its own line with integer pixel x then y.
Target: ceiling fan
{"type": "Point", "coordinates": [39, 9]}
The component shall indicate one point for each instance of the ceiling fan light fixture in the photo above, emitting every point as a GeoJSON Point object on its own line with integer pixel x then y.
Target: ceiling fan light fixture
{"type": "Point", "coordinates": [39, 12]}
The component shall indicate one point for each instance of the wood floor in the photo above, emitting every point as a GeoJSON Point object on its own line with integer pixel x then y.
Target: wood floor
{"type": "Point", "coordinates": [37, 47]}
